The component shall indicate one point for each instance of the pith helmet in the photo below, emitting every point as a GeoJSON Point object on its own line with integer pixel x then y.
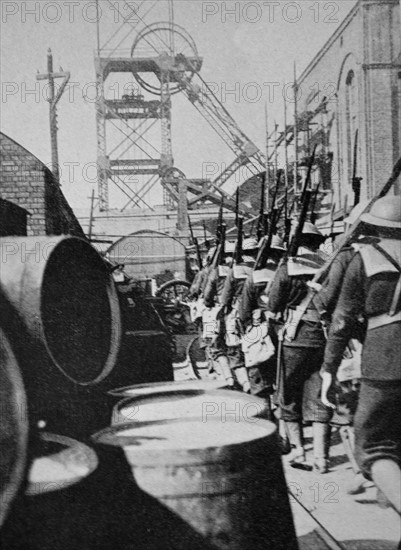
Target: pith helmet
{"type": "Point", "coordinates": [250, 244]}
{"type": "Point", "coordinates": [355, 213]}
{"type": "Point", "coordinates": [278, 243]}
{"type": "Point", "coordinates": [310, 229]}
{"type": "Point", "coordinates": [229, 247]}
{"type": "Point", "coordinates": [385, 212]}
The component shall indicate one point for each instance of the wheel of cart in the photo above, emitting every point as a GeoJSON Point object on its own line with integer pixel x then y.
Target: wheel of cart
{"type": "Point", "coordinates": [201, 361]}
{"type": "Point", "coordinates": [174, 290]}
{"type": "Point", "coordinates": [176, 314]}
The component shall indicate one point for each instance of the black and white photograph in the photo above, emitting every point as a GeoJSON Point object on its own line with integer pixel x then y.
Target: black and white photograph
{"type": "Point", "coordinates": [200, 275]}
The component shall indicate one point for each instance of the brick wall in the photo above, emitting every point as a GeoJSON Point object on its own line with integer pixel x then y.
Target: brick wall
{"type": "Point", "coordinates": [358, 71]}
{"type": "Point", "coordinates": [27, 182]}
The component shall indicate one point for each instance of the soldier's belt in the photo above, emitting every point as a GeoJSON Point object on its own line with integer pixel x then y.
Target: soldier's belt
{"type": "Point", "coordinates": [310, 315]}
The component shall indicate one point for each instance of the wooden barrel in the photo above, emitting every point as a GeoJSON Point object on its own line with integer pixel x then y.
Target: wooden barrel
{"type": "Point", "coordinates": [224, 479]}
{"type": "Point", "coordinates": [189, 403]}
{"type": "Point", "coordinates": [63, 462]}
{"type": "Point", "coordinates": [63, 292]}
{"type": "Point", "coordinates": [153, 387]}
{"type": "Point", "coordinates": [59, 508]}
{"type": "Point", "coordinates": [13, 427]}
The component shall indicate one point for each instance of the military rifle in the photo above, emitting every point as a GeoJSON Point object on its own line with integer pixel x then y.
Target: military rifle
{"type": "Point", "coordinates": [219, 255]}
{"type": "Point", "coordinates": [306, 194]}
{"type": "Point", "coordinates": [321, 275]}
{"type": "Point", "coordinates": [265, 248]}
{"type": "Point", "coordinates": [356, 182]}
{"type": "Point", "coordinates": [237, 259]}
{"type": "Point", "coordinates": [332, 210]}
{"type": "Point", "coordinates": [313, 214]}
{"type": "Point", "coordinates": [219, 221]}
{"type": "Point", "coordinates": [196, 243]}
{"type": "Point", "coordinates": [259, 227]}
{"type": "Point", "coordinates": [220, 236]}
{"type": "Point", "coordinates": [207, 243]}
{"type": "Point", "coordinates": [236, 206]}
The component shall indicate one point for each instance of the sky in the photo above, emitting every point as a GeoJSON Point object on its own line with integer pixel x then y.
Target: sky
{"type": "Point", "coordinates": [248, 50]}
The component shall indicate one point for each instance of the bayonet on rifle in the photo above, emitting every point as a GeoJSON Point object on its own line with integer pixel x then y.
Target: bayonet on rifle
{"type": "Point", "coordinates": [259, 227]}
{"type": "Point", "coordinates": [196, 243]}
{"type": "Point", "coordinates": [356, 182]}
{"type": "Point", "coordinates": [313, 214]}
{"type": "Point", "coordinates": [236, 206]}
{"type": "Point", "coordinates": [306, 194]}
{"type": "Point", "coordinates": [238, 246]}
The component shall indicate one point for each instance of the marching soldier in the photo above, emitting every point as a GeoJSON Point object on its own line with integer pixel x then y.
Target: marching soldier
{"type": "Point", "coordinates": [256, 288]}
{"type": "Point", "coordinates": [371, 292]}
{"type": "Point", "coordinates": [213, 327]}
{"type": "Point", "coordinates": [325, 302]}
{"type": "Point", "coordinates": [301, 349]}
{"type": "Point", "coordinates": [230, 300]}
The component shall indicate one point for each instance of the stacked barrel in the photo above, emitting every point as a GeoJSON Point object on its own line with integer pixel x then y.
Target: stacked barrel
{"type": "Point", "coordinates": [180, 466]}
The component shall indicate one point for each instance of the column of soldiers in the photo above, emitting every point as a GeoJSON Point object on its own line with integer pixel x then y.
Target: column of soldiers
{"type": "Point", "coordinates": [312, 327]}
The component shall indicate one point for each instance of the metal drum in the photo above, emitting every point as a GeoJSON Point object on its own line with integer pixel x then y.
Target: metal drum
{"type": "Point", "coordinates": [59, 508]}
{"type": "Point", "coordinates": [190, 403]}
{"type": "Point", "coordinates": [64, 462]}
{"type": "Point", "coordinates": [64, 295]}
{"type": "Point", "coordinates": [13, 427]}
{"type": "Point", "coordinates": [223, 479]}
{"type": "Point", "coordinates": [153, 387]}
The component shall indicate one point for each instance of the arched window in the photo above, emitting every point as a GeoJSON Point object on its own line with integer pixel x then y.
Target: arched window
{"type": "Point", "coordinates": [350, 119]}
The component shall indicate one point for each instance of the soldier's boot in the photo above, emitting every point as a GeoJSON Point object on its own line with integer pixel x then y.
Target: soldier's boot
{"type": "Point", "coordinates": [357, 485]}
{"type": "Point", "coordinates": [223, 367]}
{"type": "Point", "coordinates": [294, 431]}
{"type": "Point", "coordinates": [242, 377]}
{"type": "Point", "coordinates": [283, 437]}
{"type": "Point", "coordinates": [321, 446]}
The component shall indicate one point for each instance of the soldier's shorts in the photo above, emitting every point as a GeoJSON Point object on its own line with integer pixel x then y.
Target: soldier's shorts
{"type": "Point", "coordinates": [299, 399]}
{"type": "Point", "coordinates": [378, 424]}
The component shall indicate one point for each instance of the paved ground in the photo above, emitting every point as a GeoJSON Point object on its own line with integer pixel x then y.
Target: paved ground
{"type": "Point", "coordinates": [356, 522]}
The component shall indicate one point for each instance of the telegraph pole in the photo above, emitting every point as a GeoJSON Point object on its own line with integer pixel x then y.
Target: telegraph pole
{"type": "Point", "coordinates": [53, 99]}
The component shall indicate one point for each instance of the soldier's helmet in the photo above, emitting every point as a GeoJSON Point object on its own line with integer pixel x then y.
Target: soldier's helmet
{"type": "Point", "coordinates": [229, 247]}
{"type": "Point", "coordinates": [311, 229]}
{"type": "Point", "coordinates": [311, 236]}
{"type": "Point", "coordinates": [278, 243]}
{"type": "Point", "coordinates": [250, 244]}
{"type": "Point", "coordinates": [355, 213]}
{"type": "Point", "coordinates": [385, 212]}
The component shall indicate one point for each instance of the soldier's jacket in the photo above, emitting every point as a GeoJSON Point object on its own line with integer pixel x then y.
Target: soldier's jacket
{"type": "Point", "coordinates": [288, 290]}
{"type": "Point", "coordinates": [325, 300]}
{"type": "Point", "coordinates": [369, 291]}
{"type": "Point", "coordinates": [234, 283]}
{"type": "Point", "coordinates": [254, 295]}
{"type": "Point", "coordinates": [214, 285]}
{"type": "Point", "coordinates": [199, 282]}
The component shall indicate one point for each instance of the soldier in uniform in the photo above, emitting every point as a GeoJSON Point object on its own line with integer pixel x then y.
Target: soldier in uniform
{"type": "Point", "coordinates": [257, 285]}
{"type": "Point", "coordinates": [234, 283]}
{"type": "Point", "coordinates": [371, 292]}
{"type": "Point", "coordinates": [325, 301]}
{"type": "Point", "coordinates": [213, 288]}
{"type": "Point", "coordinates": [301, 349]}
